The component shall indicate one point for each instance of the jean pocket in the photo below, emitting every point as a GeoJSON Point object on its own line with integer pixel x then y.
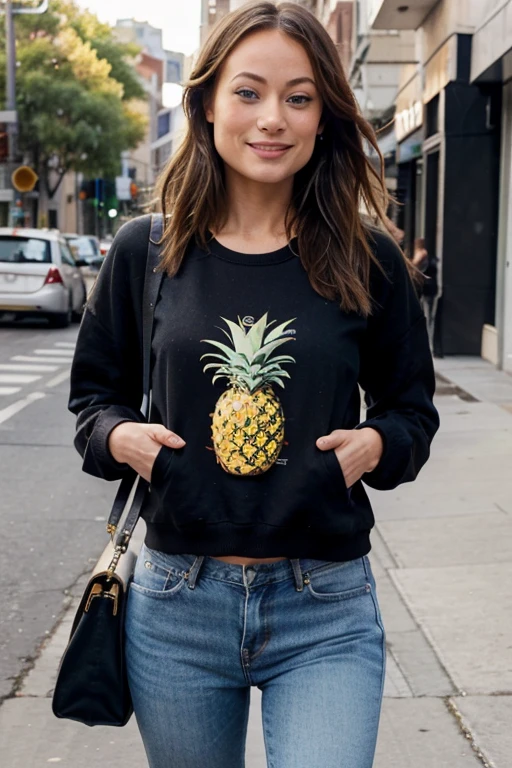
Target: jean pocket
{"type": "Point", "coordinates": [151, 579]}
{"type": "Point", "coordinates": [338, 581]}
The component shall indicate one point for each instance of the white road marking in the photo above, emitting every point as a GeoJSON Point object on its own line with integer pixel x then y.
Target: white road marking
{"type": "Point", "coordinates": [28, 368]}
{"type": "Point", "coordinates": [14, 408]}
{"type": "Point", "coordinates": [9, 390]}
{"type": "Point", "coordinates": [27, 359]}
{"type": "Point", "coordinates": [70, 344]}
{"type": "Point", "coordinates": [62, 376]}
{"type": "Point", "coordinates": [17, 378]}
{"type": "Point", "coordinates": [56, 352]}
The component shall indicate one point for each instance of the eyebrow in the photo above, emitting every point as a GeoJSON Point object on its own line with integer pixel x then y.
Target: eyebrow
{"type": "Point", "coordinates": [259, 79]}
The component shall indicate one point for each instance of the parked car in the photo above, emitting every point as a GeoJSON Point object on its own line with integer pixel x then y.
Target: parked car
{"type": "Point", "coordinates": [39, 276]}
{"type": "Point", "coordinates": [105, 244]}
{"type": "Point", "coordinates": [85, 248]}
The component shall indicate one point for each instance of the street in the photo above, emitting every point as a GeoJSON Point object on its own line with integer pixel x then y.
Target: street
{"type": "Point", "coordinates": [50, 512]}
{"type": "Point", "coordinates": [442, 557]}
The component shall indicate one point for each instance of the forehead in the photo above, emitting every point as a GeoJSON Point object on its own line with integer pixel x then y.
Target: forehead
{"type": "Point", "coordinates": [271, 54]}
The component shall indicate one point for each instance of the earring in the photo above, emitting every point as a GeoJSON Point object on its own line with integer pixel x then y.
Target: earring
{"type": "Point", "coordinates": [320, 137]}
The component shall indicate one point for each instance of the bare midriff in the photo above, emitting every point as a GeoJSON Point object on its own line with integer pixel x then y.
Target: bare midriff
{"type": "Point", "coordinates": [234, 560]}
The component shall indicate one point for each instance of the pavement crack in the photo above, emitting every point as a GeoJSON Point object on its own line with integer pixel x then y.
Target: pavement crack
{"type": "Point", "coordinates": [467, 733]}
{"type": "Point", "coordinates": [31, 660]}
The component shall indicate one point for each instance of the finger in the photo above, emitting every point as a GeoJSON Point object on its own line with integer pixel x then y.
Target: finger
{"type": "Point", "coordinates": [165, 436]}
{"type": "Point", "coordinates": [336, 438]}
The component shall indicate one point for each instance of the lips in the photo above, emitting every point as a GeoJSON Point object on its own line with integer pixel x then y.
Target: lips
{"type": "Point", "coordinates": [269, 147]}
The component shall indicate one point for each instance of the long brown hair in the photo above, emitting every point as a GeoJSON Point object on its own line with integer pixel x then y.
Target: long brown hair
{"type": "Point", "coordinates": [324, 213]}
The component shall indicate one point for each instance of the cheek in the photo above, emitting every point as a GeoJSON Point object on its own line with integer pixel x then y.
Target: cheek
{"type": "Point", "coordinates": [306, 126]}
{"type": "Point", "coordinates": [231, 120]}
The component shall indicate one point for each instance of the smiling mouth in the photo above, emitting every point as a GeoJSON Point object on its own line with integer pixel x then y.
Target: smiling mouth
{"type": "Point", "coordinates": [271, 147]}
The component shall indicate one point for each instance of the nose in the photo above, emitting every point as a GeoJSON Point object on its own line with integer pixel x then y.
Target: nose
{"type": "Point", "coordinates": [271, 121]}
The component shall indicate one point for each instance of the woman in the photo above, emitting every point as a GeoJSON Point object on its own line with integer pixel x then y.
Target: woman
{"type": "Point", "coordinates": [276, 304]}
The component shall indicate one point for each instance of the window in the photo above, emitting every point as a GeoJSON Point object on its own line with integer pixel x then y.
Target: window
{"type": "Point", "coordinates": [24, 250]}
{"type": "Point", "coordinates": [65, 255]}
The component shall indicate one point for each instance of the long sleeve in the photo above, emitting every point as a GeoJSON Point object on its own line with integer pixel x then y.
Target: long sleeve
{"type": "Point", "coordinates": [397, 374]}
{"type": "Point", "coordinates": [106, 375]}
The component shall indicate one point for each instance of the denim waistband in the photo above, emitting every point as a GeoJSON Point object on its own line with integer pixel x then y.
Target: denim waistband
{"type": "Point", "coordinates": [246, 575]}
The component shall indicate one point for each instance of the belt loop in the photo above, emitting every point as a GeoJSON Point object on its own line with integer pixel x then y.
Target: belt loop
{"type": "Point", "coordinates": [297, 573]}
{"type": "Point", "coordinates": [194, 571]}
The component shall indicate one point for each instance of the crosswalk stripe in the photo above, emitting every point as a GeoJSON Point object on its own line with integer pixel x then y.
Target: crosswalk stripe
{"type": "Point", "coordinates": [59, 379]}
{"type": "Point", "coordinates": [17, 378]}
{"type": "Point", "coordinates": [9, 390]}
{"type": "Point", "coordinates": [14, 408]}
{"type": "Point", "coordinates": [22, 367]}
{"type": "Point", "coordinates": [70, 344]}
{"type": "Point", "coordinates": [28, 359]}
{"type": "Point", "coordinates": [64, 352]}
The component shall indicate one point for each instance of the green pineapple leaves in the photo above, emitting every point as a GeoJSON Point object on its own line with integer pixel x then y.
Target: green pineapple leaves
{"type": "Point", "coordinates": [248, 363]}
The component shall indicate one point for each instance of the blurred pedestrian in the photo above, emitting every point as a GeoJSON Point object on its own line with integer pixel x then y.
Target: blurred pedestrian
{"type": "Point", "coordinates": [277, 302]}
{"type": "Point", "coordinates": [429, 288]}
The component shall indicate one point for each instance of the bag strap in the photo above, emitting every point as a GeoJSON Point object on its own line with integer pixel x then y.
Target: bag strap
{"type": "Point", "coordinates": [152, 282]}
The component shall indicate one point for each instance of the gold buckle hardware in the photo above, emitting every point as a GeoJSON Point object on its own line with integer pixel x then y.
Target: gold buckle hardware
{"type": "Point", "coordinates": [119, 550]}
{"type": "Point", "coordinates": [111, 529]}
{"type": "Point", "coordinates": [98, 591]}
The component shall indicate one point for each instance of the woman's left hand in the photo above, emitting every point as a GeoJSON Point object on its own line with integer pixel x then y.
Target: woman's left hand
{"type": "Point", "coordinates": [357, 450]}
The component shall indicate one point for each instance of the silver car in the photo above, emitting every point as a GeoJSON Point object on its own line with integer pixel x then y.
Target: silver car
{"type": "Point", "coordinates": [39, 276]}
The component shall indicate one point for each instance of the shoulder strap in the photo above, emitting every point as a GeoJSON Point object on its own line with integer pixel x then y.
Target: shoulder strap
{"type": "Point", "coordinates": [132, 482]}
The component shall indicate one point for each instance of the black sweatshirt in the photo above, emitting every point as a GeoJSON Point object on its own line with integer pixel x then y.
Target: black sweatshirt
{"type": "Point", "coordinates": [250, 480]}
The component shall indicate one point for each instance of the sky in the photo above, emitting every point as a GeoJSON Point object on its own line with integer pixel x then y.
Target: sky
{"type": "Point", "coordinates": [178, 19]}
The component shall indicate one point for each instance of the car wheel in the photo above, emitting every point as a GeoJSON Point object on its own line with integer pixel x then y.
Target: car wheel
{"type": "Point", "coordinates": [62, 319]}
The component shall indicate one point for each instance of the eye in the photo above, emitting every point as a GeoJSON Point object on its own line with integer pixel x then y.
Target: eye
{"type": "Point", "coordinates": [246, 93]}
{"type": "Point", "coordinates": [299, 100]}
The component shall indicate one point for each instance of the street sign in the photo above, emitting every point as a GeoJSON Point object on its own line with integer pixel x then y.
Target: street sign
{"type": "Point", "coordinates": [26, 6]}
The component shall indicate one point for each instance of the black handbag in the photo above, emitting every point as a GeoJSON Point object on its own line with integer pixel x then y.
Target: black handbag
{"type": "Point", "coordinates": [92, 685]}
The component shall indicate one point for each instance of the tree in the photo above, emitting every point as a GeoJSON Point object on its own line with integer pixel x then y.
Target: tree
{"type": "Point", "coordinates": [74, 87]}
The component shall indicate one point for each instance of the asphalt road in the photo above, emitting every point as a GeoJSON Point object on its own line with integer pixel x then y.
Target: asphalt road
{"type": "Point", "coordinates": [52, 516]}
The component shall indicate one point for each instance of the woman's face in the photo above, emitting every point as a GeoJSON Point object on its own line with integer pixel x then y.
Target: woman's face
{"type": "Point", "coordinates": [266, 108]}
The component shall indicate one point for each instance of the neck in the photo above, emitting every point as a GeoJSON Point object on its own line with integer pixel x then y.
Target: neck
{"type": "Point", "coordinates": [256, 211]}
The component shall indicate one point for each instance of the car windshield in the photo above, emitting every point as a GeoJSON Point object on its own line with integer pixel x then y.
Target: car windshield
{"type": "Point", "coordinates": [84, 247]}
{"type": "Point", "coordinates": [24, 250]}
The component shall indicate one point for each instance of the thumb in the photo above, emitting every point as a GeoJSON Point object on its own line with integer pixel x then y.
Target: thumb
{"type": "Point", "coordinates": [164, 436]}
{"type": "Point", "coordinates": [335, 439]}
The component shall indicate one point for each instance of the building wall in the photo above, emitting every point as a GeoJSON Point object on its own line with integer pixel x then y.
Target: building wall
{"type": "Point", "coordinates": [447, 18]}
{"type": "Point", "coordinates": [493, 37]}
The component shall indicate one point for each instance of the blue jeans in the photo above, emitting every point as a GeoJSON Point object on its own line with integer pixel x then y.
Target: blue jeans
{"type": "Point", "coordinates": [308, 633]}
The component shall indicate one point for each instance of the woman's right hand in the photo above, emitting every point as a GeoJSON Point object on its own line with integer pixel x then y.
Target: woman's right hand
{"type": "Point", "coordinates": [138, 445]}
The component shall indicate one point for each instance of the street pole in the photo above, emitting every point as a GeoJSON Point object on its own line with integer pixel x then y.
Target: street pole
{"type": "Point", "coordinates": [12, 128]}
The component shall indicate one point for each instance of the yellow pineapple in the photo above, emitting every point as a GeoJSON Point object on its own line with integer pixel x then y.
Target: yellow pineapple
{"type": "Point", "coordinates": [248, 422]}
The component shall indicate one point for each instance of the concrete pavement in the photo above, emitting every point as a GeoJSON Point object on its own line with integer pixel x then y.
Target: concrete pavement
{"type": "Point", "coordinates": [442, 556]}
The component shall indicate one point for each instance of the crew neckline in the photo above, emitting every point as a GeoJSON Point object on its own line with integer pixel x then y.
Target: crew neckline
{"type": "Point", "coordinates": [250, 259]}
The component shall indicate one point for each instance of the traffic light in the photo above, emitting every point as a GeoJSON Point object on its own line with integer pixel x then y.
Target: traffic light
{"type": "Point", "coordinates": [87, 190]}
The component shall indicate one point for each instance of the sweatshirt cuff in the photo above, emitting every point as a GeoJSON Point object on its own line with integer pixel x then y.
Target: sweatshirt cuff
{"type": "Point", "coordinates": [395, 461]}
{"type": "Point", "coordinates": [97, 458]}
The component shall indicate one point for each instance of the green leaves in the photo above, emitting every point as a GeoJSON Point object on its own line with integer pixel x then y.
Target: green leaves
{"type": "Point", "coordinates": [74, 83]}
{"type": "Point", "coordinates": [248, 363]}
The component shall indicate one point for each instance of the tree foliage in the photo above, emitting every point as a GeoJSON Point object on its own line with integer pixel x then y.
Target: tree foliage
{"type": "Point", "coordinates": [75, 84]}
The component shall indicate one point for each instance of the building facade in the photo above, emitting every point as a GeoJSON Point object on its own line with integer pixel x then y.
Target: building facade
{"type": "Point", "coordinates": [449, 137]}
{"type": "Point", "coordinates": [491, 67]}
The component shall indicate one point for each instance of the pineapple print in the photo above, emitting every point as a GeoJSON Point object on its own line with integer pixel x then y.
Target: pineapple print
{"type": "Point", "coordinates": [248, 422]}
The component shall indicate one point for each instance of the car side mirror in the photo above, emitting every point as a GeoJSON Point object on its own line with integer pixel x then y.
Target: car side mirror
{"type": "Point", "coordinates": [81, 263]}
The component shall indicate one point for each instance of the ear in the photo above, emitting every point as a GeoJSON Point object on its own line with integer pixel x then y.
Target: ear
{"type": "Point", "coordinates": [208, 111]}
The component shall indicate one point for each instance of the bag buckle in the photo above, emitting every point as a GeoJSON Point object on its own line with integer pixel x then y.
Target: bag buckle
{"type": "Point", "coordinates": [98, 591]}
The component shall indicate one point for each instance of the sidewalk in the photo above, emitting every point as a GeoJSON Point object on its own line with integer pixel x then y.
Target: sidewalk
{"type": "Point", "coordinates": [442, 556]}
